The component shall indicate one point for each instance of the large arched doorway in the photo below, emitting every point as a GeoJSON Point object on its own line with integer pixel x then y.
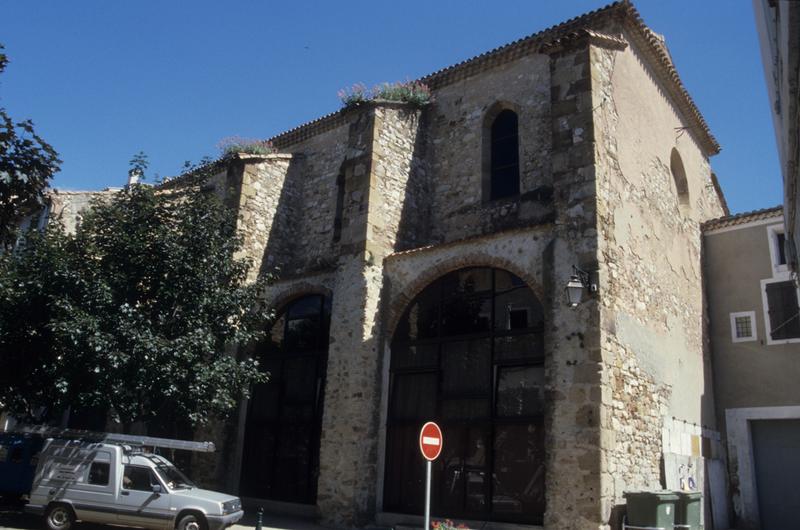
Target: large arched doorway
{"type": "Point", "coordinates": [281, 447]}
{"type": "Point", "coordinates": [469, 353]}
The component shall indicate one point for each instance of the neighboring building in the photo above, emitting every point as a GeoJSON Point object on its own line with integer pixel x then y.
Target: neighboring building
{"type": "Point", "coordinates": [424, 255]}
{"type": "Point", "coordinates": [65, 206]}
{"type": "Point", "coordinates": [755, 337]}
{"type": "Point", "coordinates": [778, 24]}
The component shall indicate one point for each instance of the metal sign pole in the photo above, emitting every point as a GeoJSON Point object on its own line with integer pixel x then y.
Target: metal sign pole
{"type": "Point", "coordinates": [428, 495]}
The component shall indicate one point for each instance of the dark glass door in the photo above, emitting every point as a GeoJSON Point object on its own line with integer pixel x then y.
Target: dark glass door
{"type": "Point", "coordinates": [281, 449]}
{"type": "Point", "coordinates": [469, 353]}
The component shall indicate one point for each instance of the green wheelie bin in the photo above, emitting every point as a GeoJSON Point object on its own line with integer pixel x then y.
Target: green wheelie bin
{"type": "Point", "coordinates": [650, 509]}
{"type": "Point", "coordinates": [687, 510]}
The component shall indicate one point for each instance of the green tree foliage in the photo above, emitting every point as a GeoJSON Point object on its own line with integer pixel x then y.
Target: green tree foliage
{"type": "Point", "coordinates": [27, 163]}
{"type": "Point", "coordinates": [137, 311]}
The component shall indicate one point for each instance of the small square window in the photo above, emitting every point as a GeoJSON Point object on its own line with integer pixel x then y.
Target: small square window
{"type": "Point", "coordinates": [743, 326]}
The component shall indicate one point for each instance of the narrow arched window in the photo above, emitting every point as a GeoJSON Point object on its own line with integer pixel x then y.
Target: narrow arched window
{"type": "Point", "coordinates": [504, 164]}
{"type": "Point", "coordinates": [679, 176]}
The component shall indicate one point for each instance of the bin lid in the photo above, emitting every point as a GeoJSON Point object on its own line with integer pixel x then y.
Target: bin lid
{"type": "Point", "coordinates": [663, 495]}
{"type": "Point", "coordinates": [691, 495]}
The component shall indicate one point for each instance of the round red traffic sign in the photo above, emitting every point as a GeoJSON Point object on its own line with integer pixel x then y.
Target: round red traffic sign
{"type": "Point", "coordinates": [430, 441]}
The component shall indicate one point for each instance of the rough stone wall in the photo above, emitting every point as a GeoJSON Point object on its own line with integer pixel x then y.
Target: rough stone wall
{"type": "Point", "coordinates": [572, 432]}
{"type": "Point", "coordinates": [68, 206]}
{"type": "Point", "coordinates": [455, 150]}
{"type": "Point", "coordinates": [399, 202]}
{"type": "Point", "coordinates": [651, 300]}
{"type": "Point", "coordinates": [382, 143]}
{"type": "Point", "coordinates": [314, 185]}
{"type": "Point", "coordinates": [266, 209]}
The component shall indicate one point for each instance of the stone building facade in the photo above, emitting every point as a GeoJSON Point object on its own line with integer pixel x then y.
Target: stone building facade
{"type": "Point", "coordinates": [422, 255]}
{"type": "Point", "coordinates": [398, 262]}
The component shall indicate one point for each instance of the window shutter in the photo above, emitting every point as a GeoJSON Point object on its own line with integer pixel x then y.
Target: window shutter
{"type": "Point", "coordinates": [783, 310]}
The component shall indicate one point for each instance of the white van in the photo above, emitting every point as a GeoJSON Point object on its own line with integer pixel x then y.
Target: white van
{"type": "Point", "coordinates": [111, 483]}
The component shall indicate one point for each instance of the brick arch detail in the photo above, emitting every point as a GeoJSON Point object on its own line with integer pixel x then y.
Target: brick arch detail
{"type": "Point", "coordinates": [297, 290]}
{"type": "Point", "coordinates": [401, 300]}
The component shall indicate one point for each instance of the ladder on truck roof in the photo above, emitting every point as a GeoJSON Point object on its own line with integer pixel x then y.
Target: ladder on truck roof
{"type": "Point", "coordinates": [114, 438]}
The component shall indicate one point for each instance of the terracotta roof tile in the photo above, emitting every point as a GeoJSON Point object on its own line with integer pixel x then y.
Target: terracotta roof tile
{"type": "Point", "coordinates": [742, 218]}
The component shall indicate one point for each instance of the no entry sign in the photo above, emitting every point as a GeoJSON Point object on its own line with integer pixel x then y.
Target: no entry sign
{"type": "Point", "coordinates": [430, 441]}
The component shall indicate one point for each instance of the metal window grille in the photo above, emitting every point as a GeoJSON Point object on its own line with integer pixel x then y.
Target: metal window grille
{"type": "Point", "coordinates": [744, 327]}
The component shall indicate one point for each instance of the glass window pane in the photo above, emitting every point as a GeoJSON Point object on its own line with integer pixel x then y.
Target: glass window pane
{"type": "Point", "coordinates": [465, 409]}
{"type": "Point", "coordinates": [274, 340]}
{"type": "Point", "coordinates": [302, 335]}
{"type": "Point", "coordinates": [505, 181]}
{"type": "Point", "coordinates": [264, 400]}
{"type": "Point", "coordinates": [505, 124]}
{"type": "Point", "coordinates": [300, 380]}
{"type": "Point", "coordinates": [307, 306]}
{"type": "Point", "coordinates": [475, 472]}
{"type": "Point", "coordinates": [517, 308]}
{"type": "Point", "coordinates": [98, 473]}
{"type": "Point", "coordinates": [527, 346]}
{"type": "Point", "coordinates": [405, 470]}
{"type": "Point", "coordinates": [408, 356]}
{"type": "Point", "coordinates": [413, 396]}
{"type": "Point", "coordinates": [505, 152]}
{"type": "Point", "coordinates": [138, 478]}
{"type": "Point", "coordinates": [294, 413]}
{"type": "Point", "coordinates": [518, 469]}
{"type": "Point", "coordinates": [449, 472]}
{"type": "Point", "coordinates": [258, 454]}
{"type": "Point", "coordinates": [292, 463]}
{"type": "Point", "coordinates": [467, 367]}
{"type": "Point", "coordinates": [467, 281]}
{"type": "Point", "coordinates": [520, 391]}
{"type": "Point", "coordinates": [421, 320]}
{"type": "Point", "coordinates": [466, 314]}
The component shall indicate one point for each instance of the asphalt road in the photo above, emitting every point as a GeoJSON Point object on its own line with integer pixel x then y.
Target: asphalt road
{"type": "Point", "coordinates": [12, 517]}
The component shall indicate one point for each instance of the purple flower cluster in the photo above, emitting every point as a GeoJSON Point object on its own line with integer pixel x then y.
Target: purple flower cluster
{"type": "Point", "coordinates": [237, 144]}
{"type": "Point", "coordinates": [408, 91]}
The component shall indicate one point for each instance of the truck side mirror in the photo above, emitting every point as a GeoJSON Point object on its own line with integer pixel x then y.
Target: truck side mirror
{"type": "Point", "coordinates": [157, 489]}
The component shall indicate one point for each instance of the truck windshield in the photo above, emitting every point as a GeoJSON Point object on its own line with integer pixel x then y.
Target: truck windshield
{"type": "Point", "coordinates": [173, 477]}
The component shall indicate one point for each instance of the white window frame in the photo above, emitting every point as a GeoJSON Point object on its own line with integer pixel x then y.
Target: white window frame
{"type": "Point", "coordinates": [774, 252]}
{"type": "Point", "coordinates": [753, 329]}
{"type": "Point", "coordinates": [511, 307]}
{"type": "Point", "coordinates": [765, 302]}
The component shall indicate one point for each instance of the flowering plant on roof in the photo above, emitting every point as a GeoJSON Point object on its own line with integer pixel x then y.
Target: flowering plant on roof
{"type": "Point", "coordinates": [412, 92]}
{"type": "Point", "coordinates": [447, 524]}
{"type": "Point", "coordinates": [409, 91]}
{"type": "Point", "coordinates": [237, 144]}
{"type": "Point", "coordinates": [354, 95]}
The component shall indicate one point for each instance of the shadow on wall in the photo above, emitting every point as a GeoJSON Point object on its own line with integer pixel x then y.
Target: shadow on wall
{"type": "Point", "coordinates": [414, 229]}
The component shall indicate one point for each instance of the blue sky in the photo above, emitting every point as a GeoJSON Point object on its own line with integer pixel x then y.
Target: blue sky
{"type": "Point", "coordinates": [103, 80]}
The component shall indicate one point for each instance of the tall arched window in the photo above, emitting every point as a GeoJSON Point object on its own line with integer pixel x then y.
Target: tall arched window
{"type": "Point", "coordinates": [469, 353]}
{"type": "Point", "coordinates": [504, 155]}
{"type": "Point", "coordinates": [282, 433]}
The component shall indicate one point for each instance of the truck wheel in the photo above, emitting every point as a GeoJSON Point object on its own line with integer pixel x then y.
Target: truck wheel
{"type": "Point", "coordinates": [189, 522]}
{"type": "Point", "coordinates": [59, 517]}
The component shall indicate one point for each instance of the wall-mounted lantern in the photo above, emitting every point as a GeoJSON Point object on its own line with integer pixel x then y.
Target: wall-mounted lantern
{"type": "Point", "coordinates": [579, 281]}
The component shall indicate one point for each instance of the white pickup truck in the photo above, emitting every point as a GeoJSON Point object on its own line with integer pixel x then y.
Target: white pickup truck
{"type": "Point", "coordinates": [111, 483]}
